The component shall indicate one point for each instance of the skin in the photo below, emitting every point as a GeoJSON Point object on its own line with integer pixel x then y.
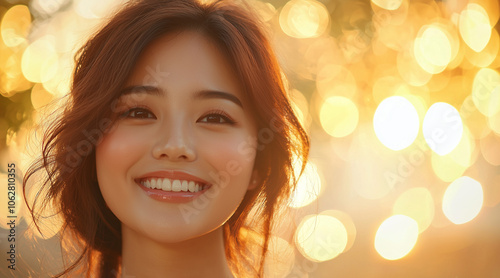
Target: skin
{"type": "Point", "coordinates": [174, 130]}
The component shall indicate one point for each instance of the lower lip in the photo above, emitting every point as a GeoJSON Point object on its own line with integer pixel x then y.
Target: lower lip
{"type": "Point", "coordinates": [171, 196]}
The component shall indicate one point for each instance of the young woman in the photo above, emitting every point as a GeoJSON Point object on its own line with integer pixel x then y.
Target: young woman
{"type": "Point", "coordinates": [177, 143]}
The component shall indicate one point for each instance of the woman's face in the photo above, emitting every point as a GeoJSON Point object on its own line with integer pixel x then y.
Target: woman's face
{"type": "Point", "coordinates": [178, 161]}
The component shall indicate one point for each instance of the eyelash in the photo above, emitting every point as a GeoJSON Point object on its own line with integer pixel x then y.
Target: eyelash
{"type": "Point", "coordinates": [228, 120]}
{"type": "Point", "coordinates": [126, 114]}
{"type": "Point", "coordinates": [223, 115]}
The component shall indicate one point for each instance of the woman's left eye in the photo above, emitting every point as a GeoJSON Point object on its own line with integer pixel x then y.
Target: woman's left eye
{"type": "Point", "coordinates": [217, 118]}
{"type": "Point", "coordinates": [138, 113]}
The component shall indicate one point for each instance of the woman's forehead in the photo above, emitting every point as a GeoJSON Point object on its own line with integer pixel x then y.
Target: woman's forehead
{"type": "Point", "coordinates": [186, 59]}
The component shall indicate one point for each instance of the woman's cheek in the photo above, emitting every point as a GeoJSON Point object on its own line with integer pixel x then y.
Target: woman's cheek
{"type": "Point", "coordinates": [123, 143]}
{"type": "Point", "coordinates": [116, 154]}
{"type": "Point", "coordinates": [226, 152]}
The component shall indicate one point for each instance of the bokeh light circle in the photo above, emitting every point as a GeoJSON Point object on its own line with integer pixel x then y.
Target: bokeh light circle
{"type": "Point", "coordinates": [432, 49]}
{"type": "Point", "coordinates": [396, 123]}
{"type": "Point", "coordinates": [15, 25]}
{"type": "Point", "coordinates": [339, 116]}
{"type": "Point", "coordinates": [463, 200]}
{"type": "Point", "coordinates": [442, 128]}
{"type": "Point", "coordinates": [348, 223]}
{"type": "Point", "coordinates": [40, 60]}
{"type": "Point", "coordinates": [474, 27]}
{"type": "Point", "coordinates": [396, 237]}
{"type": "Point", "coordinates": [279, 259]}
{"type": "Point", "coordinates": [304, 18]}
{"type": "Point", "coordinates": [321, 237]}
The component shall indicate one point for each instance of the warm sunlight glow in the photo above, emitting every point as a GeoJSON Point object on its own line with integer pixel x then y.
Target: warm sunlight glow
{"type": "Point", "coordinates": [388, 4]}
{"type": "Point", "coordinates": [15, 25]}
{"type": "Point", "coordinates": [265, 10]}
{"type": "Point", "coordinates": [339, 116]}
{"type": "Point", "coordinates": [432, 49]}
{"type": "Point", "coordinates": [348, 223]}
{"type": "Point", "coordinates": [399, 101]}
{"type": "Point", "coordinates": [60, 84]}
{"type": "Point", "coordinates": [95, 9]}
{"type": "Point", "coordinates": [320, 237]}
{"type": "Point", "coordinates": [12, 80]}
{"type": "Point", "coordinates": [308, 188]}
{"type": "Point", "coordinates": [304, 18]}
{"type": "Point", "coordinates": [490, 149]}
{"type": "Point", "coordinates": [488, 55]}
{"type": "Point", "coordinates": [442, 128]}
{"type": "Point", "coordinates": [335, 80]}
{"type": "Point", "coordinates": [50, 221]}
{"type": "Point", "coordinates": [300, 106]}
{"type": "Point", "coordinates": [42, 8]}
{"type": "Point", "coordinates": [475, 27]}
{"type": "Point", "coordinates": [451, 166]}
{"type": "Point", "coordinates": [486, 91]}
{"type": "Point", "coordinates": [494, 123]}
{"type": "Point", "coordinates": [411, 71]}
{"type": "Point", "coordinates": [40, 96]}
{"type": "Point", "coordinates": [474, 119]}
{"type": "Point", "coordinates": [40, 60]}
{"type": "Point", "coordinates": [418, 204]}
{"type": "Point", "coordinates": [396, 237]}
{"type": "Point", "coordinates": [396, 123]}
{"type": "Point", "coordinates": [280, 258]}
{"type": "Point", "coordinates": [463, 200]}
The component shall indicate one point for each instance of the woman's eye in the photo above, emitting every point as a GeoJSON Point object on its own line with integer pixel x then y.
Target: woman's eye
{"type": "Point", "coordinates": [216, 118]}
{"type": "Point", "coordinates": [139, 113]}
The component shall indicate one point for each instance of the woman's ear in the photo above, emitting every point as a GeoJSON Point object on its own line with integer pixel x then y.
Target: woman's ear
{"type": "Point", "coordinates": [254, 180]}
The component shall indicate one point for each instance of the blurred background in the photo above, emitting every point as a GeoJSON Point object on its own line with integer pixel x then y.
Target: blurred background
{"type": "Point", "coordinates": [402, 102]}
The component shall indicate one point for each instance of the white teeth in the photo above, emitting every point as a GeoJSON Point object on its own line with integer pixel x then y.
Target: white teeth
{"type": "Point", "coordinates": [191, 186]}
{"type": "Point", "coordinates": [184, 186]}
{"type": "Point", "coordinates": [166, 185]}
{"type": "Point", "coordinates": [172, 185]}
{"type": "Point", "coordinates": [176, 186]}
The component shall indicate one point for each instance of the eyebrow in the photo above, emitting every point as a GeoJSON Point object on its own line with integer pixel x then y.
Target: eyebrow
{"type": "Point", "coordinates": [203, 94]}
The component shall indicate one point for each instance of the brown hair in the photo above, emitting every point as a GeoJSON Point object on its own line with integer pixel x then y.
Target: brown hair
{"type": "Point", "coordinates": [103, 65]}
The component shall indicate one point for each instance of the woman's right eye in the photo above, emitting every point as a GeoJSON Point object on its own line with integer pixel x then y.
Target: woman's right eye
{"type": "Point", "coordinates": [138, 113]}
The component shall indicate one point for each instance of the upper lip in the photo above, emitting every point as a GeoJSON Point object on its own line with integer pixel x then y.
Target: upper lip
{"type": "Point", "coordinates": [173, 175]}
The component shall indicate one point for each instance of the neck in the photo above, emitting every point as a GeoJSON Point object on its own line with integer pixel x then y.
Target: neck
{"type": "Point", "coordinates": [203, 256]}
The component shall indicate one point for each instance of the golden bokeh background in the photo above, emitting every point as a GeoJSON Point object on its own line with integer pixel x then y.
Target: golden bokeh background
{"type": "Point", "coordinates": [401, 99]}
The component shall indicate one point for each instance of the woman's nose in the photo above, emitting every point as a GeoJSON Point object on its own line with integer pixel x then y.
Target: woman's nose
{"type": "Point", "coordinates": [174, 144]}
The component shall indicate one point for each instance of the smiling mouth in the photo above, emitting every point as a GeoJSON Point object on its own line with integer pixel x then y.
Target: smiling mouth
{"type": "Point", "coordinates": [172, 185]}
